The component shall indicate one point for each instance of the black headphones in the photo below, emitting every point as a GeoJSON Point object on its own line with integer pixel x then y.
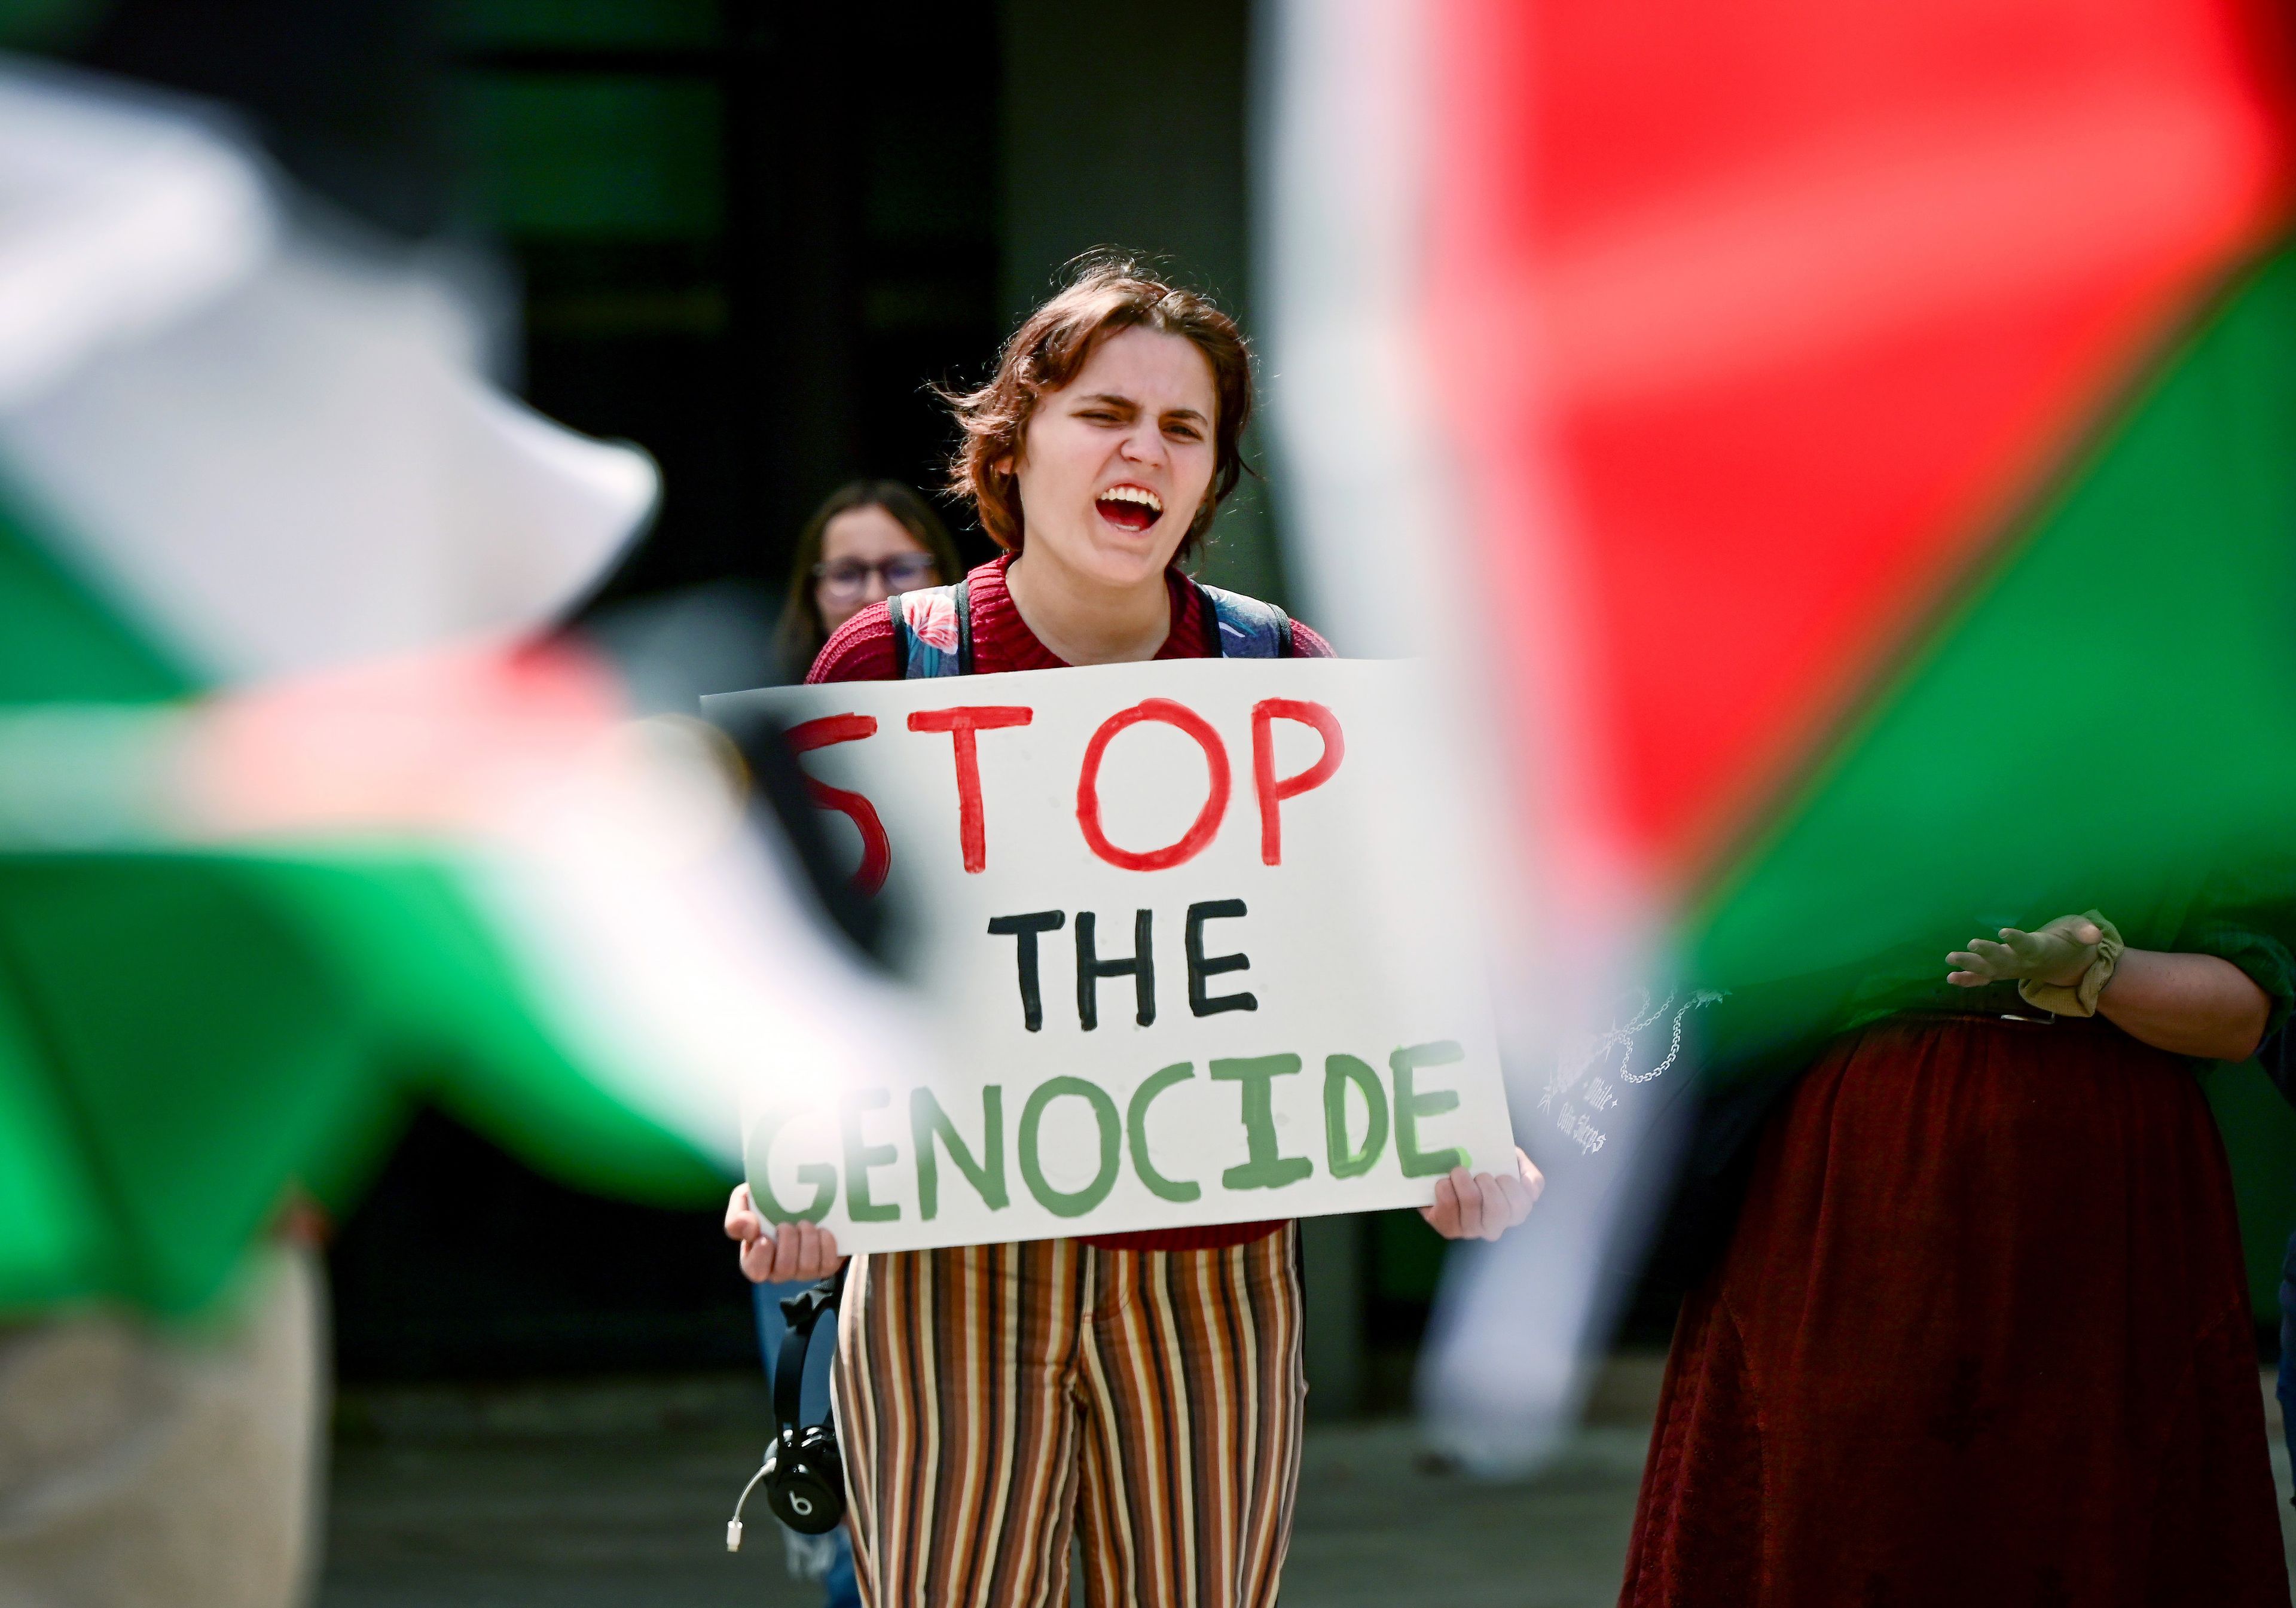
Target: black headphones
{"type": "Point", "coordinates": [803, 1473]}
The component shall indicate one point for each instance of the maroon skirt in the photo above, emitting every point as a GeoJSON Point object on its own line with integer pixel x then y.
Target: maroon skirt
{"type": "Point", "coordinates": [1982, 1337]}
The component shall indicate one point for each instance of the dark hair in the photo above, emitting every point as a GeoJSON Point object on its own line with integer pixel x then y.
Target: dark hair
{"type": "Point", "coordinates": [1105, 293]}
{"type": "Point", "coordinates": [801, 632]}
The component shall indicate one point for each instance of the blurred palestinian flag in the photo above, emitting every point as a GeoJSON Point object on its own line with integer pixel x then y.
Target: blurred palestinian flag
{"type": "Point", "coordinates": [1857, 448]}
{"type": "Point", "coordinates": [297, 826]}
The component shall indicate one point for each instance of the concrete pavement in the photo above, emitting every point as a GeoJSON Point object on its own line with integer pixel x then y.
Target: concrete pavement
{"type": "Point", "coordinates": [615, 1496]}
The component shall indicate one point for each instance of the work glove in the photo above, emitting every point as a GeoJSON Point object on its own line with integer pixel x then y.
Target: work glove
{"type": "Point", "coordinates": [2060, 969]}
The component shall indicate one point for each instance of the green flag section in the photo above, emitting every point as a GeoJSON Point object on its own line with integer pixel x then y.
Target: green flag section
{"type": "Point", "coordinates": [192, 1032]}
{"type": "Point", "coordinates": [1746, 334]}
{"type": "Point", "coordinates": [2259, 1132]}
{"type": "Point", "coordinates": [184, 1039]}
{"type": "Point", "coordinates": [298, 824]}
{"type": "Point", "coordinates": [58, 644]}
{"type": "Point", "coordinates": [1803, 297]}
{"type": "Point", "coordinates": [2108, 719]}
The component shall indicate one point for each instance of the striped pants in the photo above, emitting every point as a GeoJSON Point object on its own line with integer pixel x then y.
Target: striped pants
{"type": "Point", "coordinates": [993, 1399]}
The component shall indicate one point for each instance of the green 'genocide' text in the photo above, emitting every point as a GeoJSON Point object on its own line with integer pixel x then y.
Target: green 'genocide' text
{"type": "Point", "coordinates": [1362, 1112]}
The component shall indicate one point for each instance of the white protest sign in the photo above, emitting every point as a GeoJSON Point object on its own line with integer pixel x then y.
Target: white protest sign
{"type": "Point", "coordinates": [1193, 937]}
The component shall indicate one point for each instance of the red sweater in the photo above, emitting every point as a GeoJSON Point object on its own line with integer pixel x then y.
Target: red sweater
{"type": "Point", "coordinates": [862, 650]}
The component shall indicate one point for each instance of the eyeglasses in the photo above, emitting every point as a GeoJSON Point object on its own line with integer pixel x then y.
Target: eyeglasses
{"type": "Point", "coordinates": [904, 572]}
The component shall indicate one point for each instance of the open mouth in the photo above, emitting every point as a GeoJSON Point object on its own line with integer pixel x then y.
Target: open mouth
{"type": "Point", "coordinates": [1132, 508]}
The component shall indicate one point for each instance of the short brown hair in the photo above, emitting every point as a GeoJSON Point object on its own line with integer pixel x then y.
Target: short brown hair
{"type": "Point", "coordinates": [1105, 293]}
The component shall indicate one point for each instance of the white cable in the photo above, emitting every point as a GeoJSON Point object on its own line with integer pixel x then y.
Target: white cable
{"type": "Point", "coordinates": [734, 1524]}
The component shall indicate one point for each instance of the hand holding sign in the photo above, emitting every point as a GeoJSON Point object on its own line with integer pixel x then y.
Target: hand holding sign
{"type": "Point", "coordinates": [796, 1251]}
{"type": "Point", "coordinates": [1197, 943]}
{"type": "Point", "coordinates": [1483, 1206]}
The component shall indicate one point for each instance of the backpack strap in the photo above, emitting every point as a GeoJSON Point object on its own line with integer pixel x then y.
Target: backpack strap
{"type": "Point", "coordinates": [933, 630]}
{"type": "Point", "coordinates": [1236, 626]}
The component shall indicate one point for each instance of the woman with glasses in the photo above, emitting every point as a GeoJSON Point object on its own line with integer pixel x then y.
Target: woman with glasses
{"type": "Point", "coordinates": [869, 540]}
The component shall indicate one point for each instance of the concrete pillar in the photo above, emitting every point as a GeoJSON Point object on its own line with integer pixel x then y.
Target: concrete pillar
{"type": "Point", "coordinates": [1126, 127]}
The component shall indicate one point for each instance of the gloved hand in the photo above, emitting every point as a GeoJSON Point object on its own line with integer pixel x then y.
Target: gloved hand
{"type": "Point", "coordinates": [2062, 968]}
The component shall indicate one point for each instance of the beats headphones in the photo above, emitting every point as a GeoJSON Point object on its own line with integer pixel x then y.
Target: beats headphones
{"type": "Point", "coordinates": [803, 1471]}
